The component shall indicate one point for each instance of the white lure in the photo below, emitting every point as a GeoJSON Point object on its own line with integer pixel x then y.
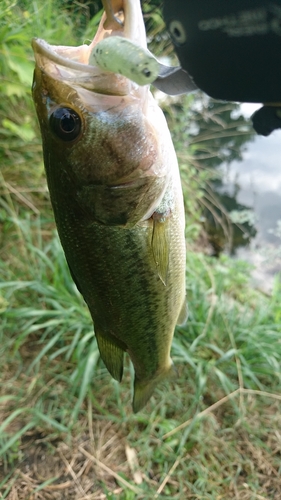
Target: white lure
{"type": "Point", "coordinates": [120, 55]}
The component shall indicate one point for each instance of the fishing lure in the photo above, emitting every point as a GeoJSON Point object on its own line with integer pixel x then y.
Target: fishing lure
{"type": "Point", "coordinates": [119, 55]}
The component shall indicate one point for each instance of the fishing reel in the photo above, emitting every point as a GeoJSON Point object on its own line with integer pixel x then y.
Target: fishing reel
{"type": "Point", "coordinates": [229, 49]}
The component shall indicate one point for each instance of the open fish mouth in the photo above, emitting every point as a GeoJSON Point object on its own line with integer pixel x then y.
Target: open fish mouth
{"type": "Point", "coordinates": [71, 64]}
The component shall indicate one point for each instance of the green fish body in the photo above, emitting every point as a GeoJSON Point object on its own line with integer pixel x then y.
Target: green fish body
{"type": "Point", "coordinates": [116, 194]}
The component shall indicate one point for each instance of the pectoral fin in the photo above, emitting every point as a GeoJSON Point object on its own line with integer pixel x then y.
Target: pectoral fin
{"type": "Point", "coordinates": [160, 246]}
{"type": "Point", "coordinates": [111, 354]}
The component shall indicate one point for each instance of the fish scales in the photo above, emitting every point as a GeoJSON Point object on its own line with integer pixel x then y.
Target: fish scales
{"type": "Point", "coordinates": [117, 200]}
{"type": "Point", "coordinates": [136, 299]}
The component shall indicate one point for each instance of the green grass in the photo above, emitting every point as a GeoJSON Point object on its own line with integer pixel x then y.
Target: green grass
{"type": "Point", "coordinates": [55, 390]}
{"type": "Point", "coordinates": [66, 427]}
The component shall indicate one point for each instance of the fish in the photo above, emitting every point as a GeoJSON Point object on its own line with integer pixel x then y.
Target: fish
{"type": "Point", "coordinates": [115, 190]}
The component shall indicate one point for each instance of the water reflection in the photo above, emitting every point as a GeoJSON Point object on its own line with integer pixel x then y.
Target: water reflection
{"type": "Point", "coordinates": [249, 185]}
{"type": "Point", "coordinates": [259, 179]}
{"type": "Point", "coordinates": [224, 235]}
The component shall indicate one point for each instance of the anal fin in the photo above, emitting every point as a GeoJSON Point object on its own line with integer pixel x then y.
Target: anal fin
{"type": "Point", "coordinates": [111, 354]}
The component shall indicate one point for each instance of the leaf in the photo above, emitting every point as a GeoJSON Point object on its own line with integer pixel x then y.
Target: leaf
{"type": "Point", "coordinates": [15, 438]}
{"type": "Point", "coordinates": [18, 62]}
{"type": "Point", "coordinates": [51, 422]}
{"type": "Point", "coordinates": [25, 131]}
{"type": "Point", "coordinates": [14, 89]}
{"type": "Point", "coordinates": [90, 365]}
{"type": "Point", "coordinates": [133, 464]}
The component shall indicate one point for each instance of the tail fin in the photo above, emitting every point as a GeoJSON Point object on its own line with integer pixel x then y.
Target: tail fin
{"type": "Point", "coordinates": [111, 354]}
{"type": "Point", "coordinates": [143, 390]}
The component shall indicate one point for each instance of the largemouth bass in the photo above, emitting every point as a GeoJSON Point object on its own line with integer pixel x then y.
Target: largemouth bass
{"type": "Point", "coordinates": [116, 194]}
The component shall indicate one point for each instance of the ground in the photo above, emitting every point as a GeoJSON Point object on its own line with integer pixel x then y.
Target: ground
{"type": "Point", "coordinates": [229, 449]}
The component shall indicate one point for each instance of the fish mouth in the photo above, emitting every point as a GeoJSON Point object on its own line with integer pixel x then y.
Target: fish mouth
{"type": "Point", "coordinates": [71, 64]}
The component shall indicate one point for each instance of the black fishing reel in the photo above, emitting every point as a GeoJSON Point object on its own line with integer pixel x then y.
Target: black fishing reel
{"type": "Point", "coordinates": [231, 49]}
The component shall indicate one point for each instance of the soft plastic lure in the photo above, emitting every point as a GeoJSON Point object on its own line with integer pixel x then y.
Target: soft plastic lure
{"type": "Point", "coordinates": [120, 55]}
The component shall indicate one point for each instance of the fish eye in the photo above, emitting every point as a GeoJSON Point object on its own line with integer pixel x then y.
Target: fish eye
{"type": "Point", "coordinates": [65, 123]}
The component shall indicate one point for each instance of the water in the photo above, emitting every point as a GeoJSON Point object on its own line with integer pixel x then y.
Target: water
{"type": "Point", "coordinates": [220, 138]}
{"type": "Point", "coordinates": [257, 183]}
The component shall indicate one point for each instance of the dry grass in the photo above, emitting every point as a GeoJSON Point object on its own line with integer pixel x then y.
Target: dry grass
{"type": "Point", "coordinates": [214, 433]}
{"type": "Point", "coordinates": [231, 449]}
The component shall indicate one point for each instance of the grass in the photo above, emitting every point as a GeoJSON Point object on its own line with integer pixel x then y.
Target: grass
{"type": "Point", "coordinates": [66, 428]}
{"type": "Point", "coordinates": [58, 402]}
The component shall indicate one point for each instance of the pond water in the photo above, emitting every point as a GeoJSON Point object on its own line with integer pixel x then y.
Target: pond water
{"type": "Point", "coordinates": [256, 181]}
